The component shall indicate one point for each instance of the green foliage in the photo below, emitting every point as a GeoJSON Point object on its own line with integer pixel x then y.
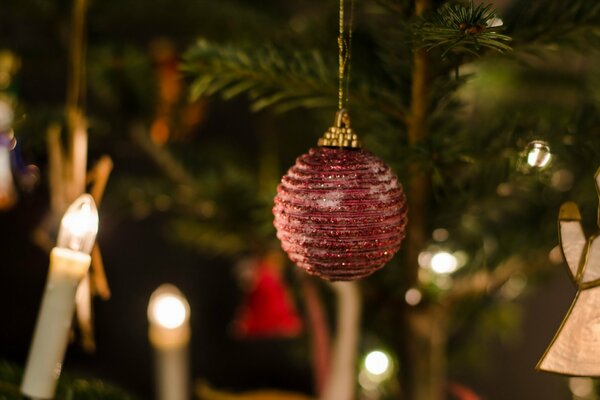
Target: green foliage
{"type": "Point", "coordinates": [456, 28]}
{"type": "Point", "coordinates": [271, 78]}
{"type": "Point", "coordinates": [118, 79]}
{"type": "Point", "coordinates": [281, 80]}
{"type": "Point", "coordinates": [534, 24]}
{"type": "Point", "coordinates": [491, 323]}
{"type": "Point", "coordinates": [219, 211]}
{"type": "Point", "coordinates": [68, 388]}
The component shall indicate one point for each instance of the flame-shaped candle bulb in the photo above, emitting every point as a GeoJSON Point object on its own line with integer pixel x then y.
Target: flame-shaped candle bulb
{"type": "Point", "coordinates": [69, 263]}
{"type": "Point", "coordinates": [169, 333]}
{"type": "Point", "coordinates": [79, 226]}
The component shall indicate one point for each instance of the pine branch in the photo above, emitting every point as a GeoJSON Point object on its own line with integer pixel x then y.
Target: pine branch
{"type": "Point", "coordinates": [210, 237]}
{"type": "Point", "coordinates": [394, 6]}
{"type": "Point", "coordinates": [166, 161]}
{"type": "Point", "coordinates": [274, 79]}
{"type": "Point", "coordinates": [575, 23]}
{"type": "Point", "coordinates": [68, 388]}
{"type": "Point", "coordinates": [484, 281]}
{"type": "Point", "coordinates": [268, 77]}
{"type": "Point", "coordinates": [456, 28]}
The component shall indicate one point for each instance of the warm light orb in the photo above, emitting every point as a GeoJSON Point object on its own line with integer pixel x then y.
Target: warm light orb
{"type": "Point", "coordinates": [440, 235]}
{"type": "Point", "coordinates": [444, 263]}
{"type": "Point", "coordinates": [79, 225]}
{"type": "Point", "coordinates": [377, 363]}
{"type": "Point", "coordinates": [538, 154]}
{"type": "Point", "coordinates": [169, 311]}
{"type": "Point", "coordinates": [413, 296]}
{"type": "Point", "coordinates": [581, 387]}
{"type": "Point", "coordinates": [168, 308]}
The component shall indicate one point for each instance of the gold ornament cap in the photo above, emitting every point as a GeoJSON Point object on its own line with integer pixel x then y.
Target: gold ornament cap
{"type": "Point", "coordinates": [340, 135]}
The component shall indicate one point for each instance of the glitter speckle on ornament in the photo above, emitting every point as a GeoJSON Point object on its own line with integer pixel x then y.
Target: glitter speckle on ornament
{"type": "Point", "coordinates": [340, 212]}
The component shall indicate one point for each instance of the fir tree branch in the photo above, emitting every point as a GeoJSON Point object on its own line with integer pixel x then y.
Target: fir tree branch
{"type": "Point", "coordinates": [68, 388]}
{"type": "Point", "coordinates": [394, 6]}
{"type": "Point", "coordinates": [210, 237]}
{"type": "Point", "coordinates": [483, 281]}
{"type": "Point", "coordinates": [166, 161]}
{"type": "Point", "coordinates": [575, 23]}
{"type": "Point", "coordinates": [278, 80]}
{"type": "Point", "coordinates": [456, 28]}
{"type": "Point", "coordinates": [207, 225]}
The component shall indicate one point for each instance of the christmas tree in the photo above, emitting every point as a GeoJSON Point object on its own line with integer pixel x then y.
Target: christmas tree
{"type": "Point", "coordinates": [487, 113]}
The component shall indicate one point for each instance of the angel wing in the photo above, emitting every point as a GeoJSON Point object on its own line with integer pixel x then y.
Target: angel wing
{"type": "Point", "coordinates": [572, 238]}
{"type": "Point", "coordinates": [589, 275]}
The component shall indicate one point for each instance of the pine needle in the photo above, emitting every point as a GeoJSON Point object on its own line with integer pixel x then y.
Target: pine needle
{"type": "Point", "coordinates": [456, 28]}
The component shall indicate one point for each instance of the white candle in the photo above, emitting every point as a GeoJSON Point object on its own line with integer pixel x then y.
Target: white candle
{"type": "Point", "coordinates": [340, 383]}
{"type": "Point", "coordinates": [169, 333]}
{"type": "Point", "coordinates": [69, 263]}
{"type": "Point", "coordinates": [8, 194]}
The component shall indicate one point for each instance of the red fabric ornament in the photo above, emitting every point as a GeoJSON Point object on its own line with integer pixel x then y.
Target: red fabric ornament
{"type": "Point", "coordinates": [461, 392]}
{"type": "Point", "coordinates": [268, 310]}
{"type": "Point", "coordinates": [340, 213]}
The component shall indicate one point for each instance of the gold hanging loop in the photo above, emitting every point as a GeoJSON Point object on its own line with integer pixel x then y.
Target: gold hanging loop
{"type": "Point", "coordinates": [341, 134]}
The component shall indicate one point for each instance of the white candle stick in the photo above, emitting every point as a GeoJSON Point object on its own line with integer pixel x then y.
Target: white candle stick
{"type": "Point", "coordinates": [169, 333]}
{"type": "Point", "coordinates": [8, 194]}
{"type": "Point", "coordinates": [69, 263]}
{"type": "Point", "coordinates": [340, 383]}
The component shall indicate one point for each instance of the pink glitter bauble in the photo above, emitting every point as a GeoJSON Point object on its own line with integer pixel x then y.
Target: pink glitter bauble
{"type": "Point", "coordinates": [340, 213]}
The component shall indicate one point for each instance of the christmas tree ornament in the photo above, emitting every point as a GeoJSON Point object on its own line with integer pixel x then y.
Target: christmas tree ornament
{"type": "Point", "coordinates": [538, 154]}
{"type": "Point", "coordinates": [340, 212]}
{"type": "Point", "coordinates": [169, 333]}
{"type": "Point", "coordinates": [575, 349]}
{"type": "Point", "coordinates": [69, 264]}
{"type": "Point", "coordinates": [268, 310]}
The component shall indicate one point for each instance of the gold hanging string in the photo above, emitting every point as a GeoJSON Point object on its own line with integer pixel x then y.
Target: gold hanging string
{"type": "Point", "coordinates": [341, 58]}
{"type": "Point", "coordinates": [349, 52]}
{"type": "Point", "coordinates": [344, 48]}
{"type": "Point", "coordinates": [345, 51]}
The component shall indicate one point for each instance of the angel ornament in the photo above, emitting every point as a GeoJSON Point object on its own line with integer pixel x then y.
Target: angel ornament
{"type": "Point", "coordinates": [575, 349]}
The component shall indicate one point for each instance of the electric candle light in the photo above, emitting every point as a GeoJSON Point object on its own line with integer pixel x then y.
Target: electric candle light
{"type": "Point", "coordinates": [444, 263]}
{"type": "Point", "coordinates": [538, 154]}
{"type": "Point", "coordinates": [69, 263]}
{"type": "Point", "coordinates": [378, 364]}
{"type": "Point", "coordinates": [8, 195]}
{"type": "Point", "coordinates": [377, 367]}
{"type": "Point", "coordinates": [169, 333]}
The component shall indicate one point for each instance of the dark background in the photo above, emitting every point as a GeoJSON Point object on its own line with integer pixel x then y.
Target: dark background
{"type": "Point", "coordinates": [137, 253]}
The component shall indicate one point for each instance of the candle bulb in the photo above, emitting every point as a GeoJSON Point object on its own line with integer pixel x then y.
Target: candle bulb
{"type": "Point", "coordinates": [169, 333]}
{"type": "Point", "coordinates": [69, 263]}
